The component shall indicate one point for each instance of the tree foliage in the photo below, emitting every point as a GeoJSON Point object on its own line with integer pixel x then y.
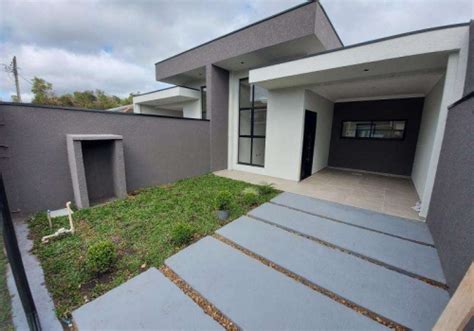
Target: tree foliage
{"type": "Point", "coordinates": [98, 99]}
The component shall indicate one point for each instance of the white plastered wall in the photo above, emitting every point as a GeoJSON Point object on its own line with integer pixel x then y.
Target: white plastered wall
{"type": "Point", "coordinates": [192, 109]}
{"type": "Point", "coordinates": [145, 109]}
{"type": "Point", "coordinates": [452, 91]}
{"type": "Point", "coordinates": [426, 137]}
{"type": "Point", "coordinates": [284, 131]}
{"type": "Point", "coordinates": [325, 110]}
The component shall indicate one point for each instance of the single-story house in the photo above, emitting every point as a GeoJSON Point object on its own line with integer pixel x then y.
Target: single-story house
{"type": "Point", "coordinates": [287, 99]}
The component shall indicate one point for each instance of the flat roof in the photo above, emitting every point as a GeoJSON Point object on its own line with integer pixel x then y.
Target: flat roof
{"type": "Point", "coordinates": [401, 48]}
{"type": "Point", "coordinates": [372, 41]}
{"type": "Point", "coordinates": [255, 23]}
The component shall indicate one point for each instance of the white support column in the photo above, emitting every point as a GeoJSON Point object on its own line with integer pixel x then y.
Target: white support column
{"type": "Point", "coordinates": [452, 91]}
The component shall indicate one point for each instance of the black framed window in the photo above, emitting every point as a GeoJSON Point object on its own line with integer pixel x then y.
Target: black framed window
{"type": "Point", "coordinates": [203, 102]}
{"type": "Point", "coordinates": [387, 130]}
{"type": "Point", "coordinates": [252, 124]}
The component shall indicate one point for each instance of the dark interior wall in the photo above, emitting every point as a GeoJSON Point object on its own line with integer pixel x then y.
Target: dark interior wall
{"type": "Point", "coordinates": [451, 214]}
{"type": "Point", "coordinates": [157, 150]}
{"type": "Point", "coordinates": [97, 157]}
{"type": "Point", "coordinates": [385, 156]}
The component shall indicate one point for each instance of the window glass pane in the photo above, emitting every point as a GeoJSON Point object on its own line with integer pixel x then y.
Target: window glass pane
{"type": "Point", "coordinates": [398, 129]}
{"type": "Point", "coordinates": [259, 122]}
{"type": "Point", "coordinates": [258, 151]}
{"type": "Point", "coordinates": [382, 129]}
{"type": "Point", "coordinates": [374, 129]}
{"type": "Point", "coordinates": [348, 129]}
{"type": "Point", "coordinates": [260, 96]}
{"type": "Point", "coordinates": [204, 102]}
{"type": "Point", "coordinates": [363, 129]}
{"type": "Point", "coordinates": [245, 117]}
{"type": "Point", "coordinates": [244, 150]}
{"type": "Point", "coordinates": [245, 95]}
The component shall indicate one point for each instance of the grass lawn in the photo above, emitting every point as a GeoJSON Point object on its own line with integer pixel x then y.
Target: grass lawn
{"type": "Point", "coordinates": [145, 229]}
{"type": "Point", "coordinates": [5, 303]}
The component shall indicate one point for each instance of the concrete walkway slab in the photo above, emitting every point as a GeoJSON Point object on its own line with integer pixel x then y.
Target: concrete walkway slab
{"type": "Point", "coordinates": [148, 301]}
{"type": "Point", "coordinates": [412, 258]}
{"type": "Point", "coordinates": [400, 298]}
{"type": "Point", "coordinates": [257, 297]}
{"type": "Point", "coordinates": [393, 225]}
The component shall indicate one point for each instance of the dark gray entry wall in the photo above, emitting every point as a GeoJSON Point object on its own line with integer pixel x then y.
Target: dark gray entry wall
{"type": "Point", "coordinates": [451, 214]}
{"type": "Point", "coordinates": [34, 159]}
{"type": "Point", "coordinates": [385, 156]}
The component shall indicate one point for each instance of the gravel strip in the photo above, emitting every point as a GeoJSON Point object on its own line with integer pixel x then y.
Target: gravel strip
{"type": "Point", "coordinates": [205, 305]}
{"type": "Point", "coordinates": [335, 297]}
{"type": "Point", "coordinates": [327, 244]}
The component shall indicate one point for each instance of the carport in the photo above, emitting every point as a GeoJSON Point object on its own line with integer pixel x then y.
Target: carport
{"type": "Point", "coordinates": [380, 107]}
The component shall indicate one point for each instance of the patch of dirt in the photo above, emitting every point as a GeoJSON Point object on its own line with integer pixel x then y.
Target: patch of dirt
{"type": "Point", "coordinates": [87, 287]}
{"type": "Point", "coordinates": [205, 305]}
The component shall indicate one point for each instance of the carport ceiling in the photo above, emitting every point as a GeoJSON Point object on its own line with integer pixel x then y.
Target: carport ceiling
{"type": "Point", "coordinates": [417, 83]}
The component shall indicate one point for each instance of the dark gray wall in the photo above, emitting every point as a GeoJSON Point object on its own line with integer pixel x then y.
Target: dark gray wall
{"type": "Point", "coordinates": [217, 81]}
{"type": "Point", "coordinates": [469, 84]}
{"type": "Point", "coordinates": [451, 214]}
{"type": "Point", "coordinates": [97, 157]}
{"type": "Point", "coordinates": [157, 150]}
{"type": "Point", "coordinates": [290, 25]}
{"type": "Point", "coordinates": [386, 156]}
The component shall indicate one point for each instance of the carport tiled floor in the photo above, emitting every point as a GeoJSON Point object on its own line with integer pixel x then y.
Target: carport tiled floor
{"type": "Point", "coordinates": [293, 263]}
{"type": "Point", "coordinates": [391, 195]}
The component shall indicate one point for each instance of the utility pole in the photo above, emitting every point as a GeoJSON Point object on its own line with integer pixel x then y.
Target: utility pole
{"type": "Point", "coordinates": [15, 73]}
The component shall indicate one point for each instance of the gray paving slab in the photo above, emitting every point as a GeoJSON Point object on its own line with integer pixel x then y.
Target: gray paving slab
{"type": "Point", "coordinates": [413, 258]}
{"type": "Point", "coordinates": [392, 295]}
{"type": "Point", "coordinates": [257, 297]}
{"type": "Point", "coordinates": [148, 301]}
{"type": "Point", "coordinates": [397, 226]}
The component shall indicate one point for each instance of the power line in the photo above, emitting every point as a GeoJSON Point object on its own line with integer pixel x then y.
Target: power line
{"type": "Point", "coordinates": [25, 79]}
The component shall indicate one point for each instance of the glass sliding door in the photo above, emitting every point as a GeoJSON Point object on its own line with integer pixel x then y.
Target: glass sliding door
{"type": "Point", "coordinates": [252, 124]}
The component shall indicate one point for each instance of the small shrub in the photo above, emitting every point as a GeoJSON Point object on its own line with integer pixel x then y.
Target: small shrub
{"type": "Point", "coordinates": [101, 257]}
{"type": "Point", "coordinates": [250, 196]}
{"type": "Point", "coordinates": [266, 188]}
{"type": "Point", "coordinates": [224, 200]}
{"type": "Point", "coordinates": [182, 234]}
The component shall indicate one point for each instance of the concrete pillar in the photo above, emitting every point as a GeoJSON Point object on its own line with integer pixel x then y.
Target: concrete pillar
{"type": "Point", "coordinates": [78, 172]}
{"type": "Point", "coordinates": [217, 84]}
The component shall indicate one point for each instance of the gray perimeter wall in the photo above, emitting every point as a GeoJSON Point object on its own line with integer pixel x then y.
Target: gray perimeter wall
{"type": "Point", "coordinates": [451, 213]}
{"type": "Point", "coordinates": [33, 156]}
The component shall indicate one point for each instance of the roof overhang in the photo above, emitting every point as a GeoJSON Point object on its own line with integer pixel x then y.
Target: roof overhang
{"type": "Point", "coordinates": [169, 96]}
{"type": "Point", "coordinates": [423, 53]}
{"type": "Point", "coordinates": [299, 31]}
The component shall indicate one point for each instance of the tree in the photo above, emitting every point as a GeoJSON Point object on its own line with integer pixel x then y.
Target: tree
{"type": "Point", "coordinates": [98, 99]}
{"type": "Point", "coordinates": [43, 92]}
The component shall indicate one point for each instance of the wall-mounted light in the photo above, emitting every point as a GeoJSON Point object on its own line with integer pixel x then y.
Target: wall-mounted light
{"type": "Point", "coordinates": [366, 69]}
{"type": "Point", "coordinates": [242, 62]}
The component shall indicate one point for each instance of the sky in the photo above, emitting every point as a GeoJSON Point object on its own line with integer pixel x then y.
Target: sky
{"type": "Point", "coordinates": [113, 45]}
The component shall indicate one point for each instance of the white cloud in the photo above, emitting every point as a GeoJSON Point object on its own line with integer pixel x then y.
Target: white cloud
{"type": "Point", "coordinates": [361, 20]}
{"type": "Point", "coordinates": [112, 45]}
{"type": "Point", "coordinates": [69, 71]}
